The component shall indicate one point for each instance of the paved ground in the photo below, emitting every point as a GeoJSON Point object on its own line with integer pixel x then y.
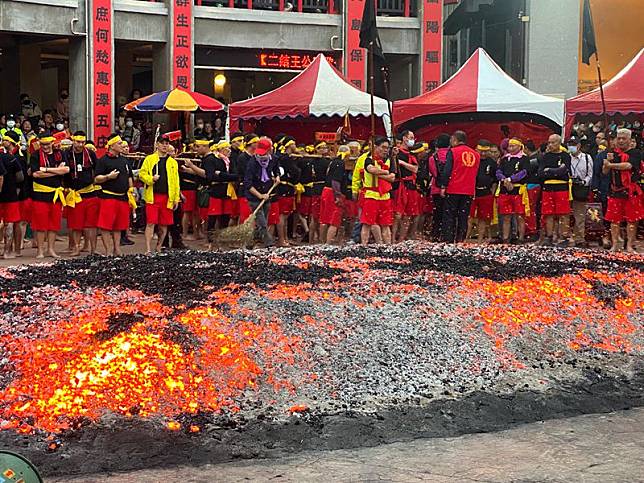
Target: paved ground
{"type": "Point", "coordinates": [591, 448]}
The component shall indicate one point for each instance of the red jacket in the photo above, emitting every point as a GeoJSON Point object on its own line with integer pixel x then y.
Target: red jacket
{"type": "Point", "coordinates": [461, 167]}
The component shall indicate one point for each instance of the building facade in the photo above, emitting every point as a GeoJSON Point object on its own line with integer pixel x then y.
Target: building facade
{"type": "Point", "coordinates": [103, 50]}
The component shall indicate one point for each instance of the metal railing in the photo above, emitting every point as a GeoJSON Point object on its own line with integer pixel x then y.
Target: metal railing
{"type": "Point", "coordinates": [389, 8]}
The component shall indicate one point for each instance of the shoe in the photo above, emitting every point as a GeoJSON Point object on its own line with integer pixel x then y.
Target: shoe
{"type": "Point", "coordinates": [126, 242]}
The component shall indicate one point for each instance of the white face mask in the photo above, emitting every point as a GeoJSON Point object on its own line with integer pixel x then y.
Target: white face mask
{"type": "Point", "coordinates": [572, 149]}
{"type": "Point", "coordinates": [60, 127]}
{"type": "Point", "coordinates": [11, 124]}
{"type": "Point", "coordinates": [411, 142]}
{"type": "Point", "coordinates": [129, 124]}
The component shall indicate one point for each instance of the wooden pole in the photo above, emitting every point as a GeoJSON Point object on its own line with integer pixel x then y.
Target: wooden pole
{"type": "Point", "coordinates": [599, 76]}
{"type": "Point", "coordinates": [371, 89]}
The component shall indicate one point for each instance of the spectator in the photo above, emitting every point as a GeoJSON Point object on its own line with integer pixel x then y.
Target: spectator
{"type": "Point", "coordinates": [581, 167]}
{"type": "Point", "coordinates": [30, 108]}
{"type": "Point", "coordinates": [209, 132]}
{"type": "Point", "coordinates": [48, 119]}
{"type": "Point", "coordinates": [62, 107]}
{"type": "Point", "coordinates": [131, 135]}
{"type": "Point", "coordinates": [199, 128]}
{"type": "Point", "coordinates": [219, 129]}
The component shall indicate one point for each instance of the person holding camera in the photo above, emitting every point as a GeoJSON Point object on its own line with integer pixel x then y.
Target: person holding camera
{"type": "Point", "coordinates": [581, 167]}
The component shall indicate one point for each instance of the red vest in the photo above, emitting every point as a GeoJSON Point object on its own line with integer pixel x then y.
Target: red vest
{"type": "Point", "coordinates": [466, 165]}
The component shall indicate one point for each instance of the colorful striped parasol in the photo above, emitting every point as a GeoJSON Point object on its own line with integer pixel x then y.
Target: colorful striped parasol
{"type": "Point", "coordinates": [177, 99]}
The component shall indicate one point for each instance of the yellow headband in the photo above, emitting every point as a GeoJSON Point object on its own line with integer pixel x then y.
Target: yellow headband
{"type": "Point", "coordinates": [515, 142]}
{"type": "Point", "coordinates": [252, 141]}
{"type": "Point", "coordinates": [202, 142]}
{"type": "Point", "coordinates": [11, 140]}
{"type": "Point", "coordinates": [320, 145]}
{"type": "Point", "coordinates": [47, 140]}
{"type": "Point", "coordinates": [482, 148]}
{"type": "Point", "coordinates": [238, 138]}
{"type": "Point", "coordinates": [223, 145]}
{"type": "Point", "coordinates": [91, 147]}
{"type": "Point", "coordinates": [79, 139]}
{"type": "Point", "coordinates": [420, 149]}
{"type": "Point", "coordinates": [113, 141]}
{"type": "Point", "coordinates": [290, 143]}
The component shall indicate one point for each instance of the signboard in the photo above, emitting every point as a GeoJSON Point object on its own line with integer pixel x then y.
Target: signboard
{"type": "Point", "coordinates": [182, 44]}
{"type": "Point", "coordinates": [432, 42]}
{"type": "Point", "coordinates": [102, 71]}
{"type": "Point", "coordinates": [283, 60]}
{"type": "Point", "coordinates": [355, 57]}
{"type": "Point", "coordinates": [262, 59]}
{"type": "Point", "coordinates": [327, 137]}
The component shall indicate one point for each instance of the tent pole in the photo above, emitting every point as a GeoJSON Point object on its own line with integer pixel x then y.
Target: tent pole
{"type": "Point", "coordinates": [601, 93]}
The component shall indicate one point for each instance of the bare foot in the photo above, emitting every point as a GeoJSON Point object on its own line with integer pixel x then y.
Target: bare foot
{"type": "Point", "coordinates": [40, 255]}
{"type": "Point", "coordinates": [75, 253]}
{"type": "Point", "coordinates": [631, 250]}
{"type": "Point", "coordinates": [614, 249]}
{"type": "Point", "coordinates": [18, 254]}
{"type": "Point", "coordinates": [189, 238]}
{"type": "Point", "coordinates": [8, 256]}
{"type": "Point", "coordinates": [52, 254]}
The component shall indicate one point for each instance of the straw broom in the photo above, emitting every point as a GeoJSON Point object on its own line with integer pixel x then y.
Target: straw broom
{"type": "Point", "coordinates": [241, 235]}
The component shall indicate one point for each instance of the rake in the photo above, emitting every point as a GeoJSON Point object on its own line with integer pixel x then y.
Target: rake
{"type": "Point", "coordinates": [241, 235]}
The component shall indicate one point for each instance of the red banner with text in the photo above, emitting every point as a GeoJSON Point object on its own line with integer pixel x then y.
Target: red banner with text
{"type": "Point", "coordinates": [103, 70]}
{"type": "Point", "coordinates": [182, 44]}
{"type": "Point", "coordinates": [432, 36]}
{"type": "Point", "coordinates": [356, 58]}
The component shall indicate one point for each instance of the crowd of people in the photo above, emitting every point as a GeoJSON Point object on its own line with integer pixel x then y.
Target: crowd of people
{"type": "Point", "coordinates": [349, 192]}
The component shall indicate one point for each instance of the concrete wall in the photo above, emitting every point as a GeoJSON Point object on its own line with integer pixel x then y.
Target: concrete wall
{"type": "Point", "coordinates": [51, 17]}
{"type": "Point", "coordinates": [553, 43]}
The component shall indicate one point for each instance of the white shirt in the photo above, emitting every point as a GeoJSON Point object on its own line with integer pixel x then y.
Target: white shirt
{"type": "Point", "coordinates": [582, 167]}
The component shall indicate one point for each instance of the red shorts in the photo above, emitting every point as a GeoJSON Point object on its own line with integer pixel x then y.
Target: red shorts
{"type": "Point", "coordinates": [630, 210]}
{"type": "Point", "coordinates": [428, 204]}
{"type": "Point", "coordinates": [84, 214]}
{"type": "Point", "coordinates": [220, 206]}
{"type": "Point", "coordinates": [377, 212]}
{"type": "Point", "coordinates": [25, 209]}
{"type": "Point", "coordinates": [10, 212]}
{"type": "Point", "coordinates": [511, 205]}
{"type": "Point", "coordinates": [274, 213]}
{"type": "Point", "coordinates": [304, 207]}
{"type": "Point", "coordinates": [190, 204]}
{"type": "Point", "coordinates": [555, 203]}
{"type": "Point", "coordinates": [244, 209]}
{"type": "Point", "coordinates": [407, 201]}
{"type": "Point", "coordinates": [46, 216]}
{"type": "Point", "coordinates": [330, 212]}
{"type": "Point", "coordinates": [534, 195]}
{"type": "Point", "coordinates": [351, 209]}
{"type": "Point", "coordinates": [482, 208]}
{"type": "Point", "coordinates": [113, 214]}
{"type": "Point", "coordinates": [158, 213]}
{"type": "Point", "coordinates": [287, 205]}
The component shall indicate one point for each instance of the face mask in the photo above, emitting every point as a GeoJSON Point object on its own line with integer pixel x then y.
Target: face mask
{"type": "Point", "coordinates": [60, 127]}
{"type": "Point", "coordinates": [129, 124]}
{"type": "Point", "coordinates": [11, 124]}
{"type": "Point", "coordinates": [572, 149]}
{"type": "Point", "coordinates": [200, 126]}
{"type": "Point", "coordinates": [411, 142]}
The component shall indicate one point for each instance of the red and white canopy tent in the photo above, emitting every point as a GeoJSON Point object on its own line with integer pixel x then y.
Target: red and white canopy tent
{"type": "Point", "coordinates": [317, 99]}
{"type": "Point", "coordinates": [478, 99]}
{"type": "Point", "coordinates": [623, 94]}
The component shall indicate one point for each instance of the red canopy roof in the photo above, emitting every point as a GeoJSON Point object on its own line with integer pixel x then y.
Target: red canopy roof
{"type": "Point", "coordinates": [480, 85]}
{"type": "Point", "coordinates": [623, 94]}
{"type": "Point", "coordinates": [319, 90]}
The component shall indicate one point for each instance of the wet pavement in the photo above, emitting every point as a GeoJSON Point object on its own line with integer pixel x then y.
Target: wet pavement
{"type": "Point", "coordinates": [590, 448]}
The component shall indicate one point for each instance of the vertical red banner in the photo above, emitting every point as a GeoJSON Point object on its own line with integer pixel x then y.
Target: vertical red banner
{"type": "Point", "coordinates": [355, 57]}
{"type": "Point", "coordinates": [102, 71]}
{"type": "Point", "coordinates": [182, 44]}
{"type": "Point", "coordinates": [432, 41]}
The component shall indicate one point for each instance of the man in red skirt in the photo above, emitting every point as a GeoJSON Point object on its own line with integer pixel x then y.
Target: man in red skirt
{"type": "Point", "coordinates": [554, 171]}
{"type": "Point", "coordinates": [114, 177]}
{"type": "Point", "coordinates": [625, 197]}
{"type": "Point", "coordinates": [82, 199]}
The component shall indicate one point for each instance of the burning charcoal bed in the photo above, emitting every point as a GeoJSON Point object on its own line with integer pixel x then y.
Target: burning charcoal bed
{"type": "Point", "coordinates": [116, 364]}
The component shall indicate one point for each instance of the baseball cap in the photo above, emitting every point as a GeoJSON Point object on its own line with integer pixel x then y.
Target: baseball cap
{"type": "Point", "coordinates": [263, 146]}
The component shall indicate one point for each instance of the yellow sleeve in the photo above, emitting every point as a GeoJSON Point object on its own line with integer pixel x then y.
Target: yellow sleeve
{"type": "Point", "coordinates": [173, 183]}
{"type": "Point", "coordinates": [145, 175]}
{"type": "Point", "coordinates": [356, 179]}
